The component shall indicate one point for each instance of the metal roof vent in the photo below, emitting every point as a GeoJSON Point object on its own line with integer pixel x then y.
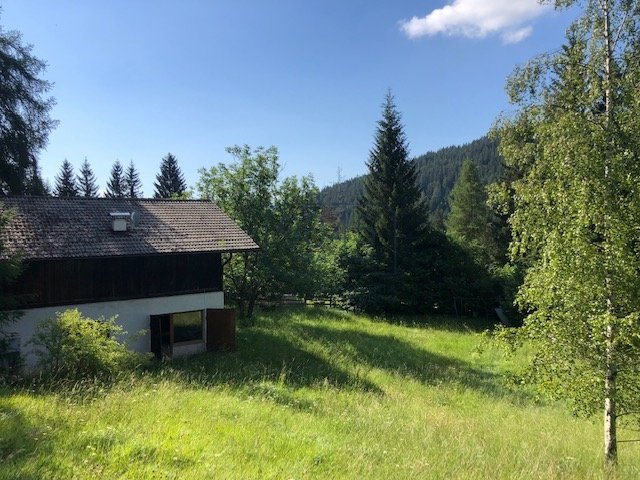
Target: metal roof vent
{"type": "Point", "coordinates": [120, 221]}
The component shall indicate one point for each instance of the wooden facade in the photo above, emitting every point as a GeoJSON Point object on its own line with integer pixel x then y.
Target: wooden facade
{"type": "Point", "coordinates": [86, 280]}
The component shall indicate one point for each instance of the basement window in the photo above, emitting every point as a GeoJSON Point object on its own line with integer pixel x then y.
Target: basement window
{"type": "Point", "coordinates": [187, 326]}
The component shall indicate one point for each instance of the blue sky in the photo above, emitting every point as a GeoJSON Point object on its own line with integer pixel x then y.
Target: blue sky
{"type": "Point", "coordinates": [136, 79]}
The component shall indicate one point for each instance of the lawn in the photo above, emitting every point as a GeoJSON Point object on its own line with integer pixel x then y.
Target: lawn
{"type": "Point", "coordinates": [310, 393]}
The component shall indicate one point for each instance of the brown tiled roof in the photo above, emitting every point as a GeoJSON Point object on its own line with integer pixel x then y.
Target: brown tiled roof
{"type": "Point", "coordinates": [48, 227]}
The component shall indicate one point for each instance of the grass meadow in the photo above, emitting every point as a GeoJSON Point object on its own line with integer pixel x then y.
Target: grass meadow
{"type": "Point", "coordinates": [310, 393]}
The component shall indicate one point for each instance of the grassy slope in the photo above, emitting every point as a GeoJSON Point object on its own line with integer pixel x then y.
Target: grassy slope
{"type": "Point", "coordinates": [309, 394]}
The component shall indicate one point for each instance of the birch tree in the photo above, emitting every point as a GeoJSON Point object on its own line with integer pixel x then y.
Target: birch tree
{"type": "Point", "coordinates": [576, 141]}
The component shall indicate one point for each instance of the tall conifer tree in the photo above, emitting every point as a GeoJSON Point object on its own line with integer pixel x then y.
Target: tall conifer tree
{"type": "Point", "coordinates": [25, 120]}
{"type": "Point", "coordinates": [132, 183]}
{"type": "Point", "coordinates": [87, 180]}
{"type": "Point", "coordinates": [469, 221]}
{"type": "Point", "coordinates": [66, 181]}
{"type": "Point", "coordinates": [391, 221]}
{"type": "Point", "coordinates": [170, 181]}
{"type": "Point", "coordinates": [116, 184]}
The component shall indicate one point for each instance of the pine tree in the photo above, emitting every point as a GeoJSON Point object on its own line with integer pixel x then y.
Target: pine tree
{"type": "Point", "coordinates": [170, 181]}
{"type": "Point", "coordinates": [65, 181]}
{"type": "Point", "coordinates": [87, 180]}
{"type": "Point", "coordinates": [116, 184]}
{"type": "Point", "coordinates": [132, 183]}
{"type": "Point", "coordinates": [469, 221]}
{"type": "Point", "coordinates": [391, 221]}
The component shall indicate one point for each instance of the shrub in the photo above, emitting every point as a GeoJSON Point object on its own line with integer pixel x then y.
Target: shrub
{"type": "Point", "coordinates": [74, 347]}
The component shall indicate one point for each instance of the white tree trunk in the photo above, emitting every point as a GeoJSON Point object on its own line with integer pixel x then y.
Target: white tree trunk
{"type": "Point", "coordinates": [610, 416]}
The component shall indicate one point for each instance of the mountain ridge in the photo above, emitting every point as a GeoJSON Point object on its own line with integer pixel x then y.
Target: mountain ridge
{"type": "Point", "coordinates": [437, 173]}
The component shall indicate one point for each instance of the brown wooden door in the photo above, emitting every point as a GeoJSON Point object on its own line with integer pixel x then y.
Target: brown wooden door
{"type": "Point", "coordinates": [221, 329]}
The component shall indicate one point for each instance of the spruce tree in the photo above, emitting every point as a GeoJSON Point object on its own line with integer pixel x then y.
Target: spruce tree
{"type": "Point", "coordinates": [132, 183]}
{"type": "Point", "coordinates": [391, 222]}
{"type": "Point", "coordinates": [469, 221]}
{"type": "Point", "coordinates": [170, 181]}
{"type": "Point", "coordinates": [34, 184]}
{"type": "Point", "coordinates": [65, 181]}
{"type": "Point", "coordinates": [116, 184]}
{"type": "Point", "coordinates": [25, 120]}
{"type": "Point", "coordinates": [87, 180]}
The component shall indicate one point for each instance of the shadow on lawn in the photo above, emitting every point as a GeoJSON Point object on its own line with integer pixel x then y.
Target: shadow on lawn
{"type": "Point", "coordinates": [265, 357]}
{"type": "Point", "coordinates": [30, 448]}
{"type": "Point", "coordinates": [398, 357]}
{"type": "Point", "coordinates": [443, 322]}
{"type": "Point", "coordinates": [281, 349]}
{"type": "Point", "coordinates": [19, 440]}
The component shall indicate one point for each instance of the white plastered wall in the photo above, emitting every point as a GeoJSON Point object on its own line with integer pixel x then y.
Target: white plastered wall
{"type": "Point", "coordinates": [133, 315]}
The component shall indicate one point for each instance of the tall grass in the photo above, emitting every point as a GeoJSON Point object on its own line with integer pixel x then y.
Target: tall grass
{"type": "Point", "coordinates": [309, 393]}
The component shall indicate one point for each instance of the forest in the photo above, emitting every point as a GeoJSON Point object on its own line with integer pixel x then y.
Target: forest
{"type": "Point", "coordinates": [535, 225]}
{"type": "Point", "coordinates": [437, 173]}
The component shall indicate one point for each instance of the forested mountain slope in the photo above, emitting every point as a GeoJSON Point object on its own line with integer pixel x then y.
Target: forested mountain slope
{"type": "Point", "coordinates": [437, 173]}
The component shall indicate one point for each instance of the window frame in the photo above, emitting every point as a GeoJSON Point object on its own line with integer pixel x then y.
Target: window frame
{"type": "Point", "coordinates": [202, 337]}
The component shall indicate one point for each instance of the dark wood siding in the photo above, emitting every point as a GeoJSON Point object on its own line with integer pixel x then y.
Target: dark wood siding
{"type": "Point", "coordinates": [69, 281]}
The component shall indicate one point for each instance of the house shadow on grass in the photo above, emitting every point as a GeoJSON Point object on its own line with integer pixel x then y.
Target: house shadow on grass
{"type": "Point", "coordinates": [449, 323]}
{"type": "Point", "coordinates": [19, 440]}
{"type": "Point", "coordinates": [305, 354]}
{"type": "Point", "coordinates": [265, 357]}
{"type": "Point", "coordinates": [397, 357]}
{"type": "Point", "coordinates": [30, 447]}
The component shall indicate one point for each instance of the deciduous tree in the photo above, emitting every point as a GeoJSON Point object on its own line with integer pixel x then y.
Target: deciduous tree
{"type": "Point", "coordinates": [577, 211]}
{"type": "Point", "coordinates": [283, 217]}
{"type": "Point", "coordinates": [9, 271]}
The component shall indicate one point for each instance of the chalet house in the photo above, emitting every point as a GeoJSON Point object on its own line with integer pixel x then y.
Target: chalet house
{"type": "Point", "coordinates": [156, 264]}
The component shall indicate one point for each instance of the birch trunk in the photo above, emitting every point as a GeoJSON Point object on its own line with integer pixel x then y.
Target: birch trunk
{"type": "Point", "coordinates": [610, 416]}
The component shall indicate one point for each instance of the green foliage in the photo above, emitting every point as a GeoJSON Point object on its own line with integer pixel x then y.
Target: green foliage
{"type": "Point", "coordinates": [132, 183]}
{"type": "Point", "coordinates": [331, 276]}
{"type": "Point", "coordinates": [282, 217]}
{"type": "Point", "coordinates": [9, 271]}
{"type": "Point", "coordinates": [576, 144]}
{"type": "Point", "coordinates": [24, 116]}
{"type": "Point", "coordinates": [437, 173]}
{"type": "Point", "coordinates": [170, 181]}
{"type": "Point", "coordinates": [65, 181]}
{"type": "Point", "coordinates": [73, 347]}
{"type": "Point", "coordinates": [388, 270]}
{"type": "Point", "coordinates": [116, 187]}
{"type": "Point", "coordinates": [86, 181]}
{"type": "Point", "coordinates": [469, 221]}
{"type": "Point", "coordinates": [310, 393]}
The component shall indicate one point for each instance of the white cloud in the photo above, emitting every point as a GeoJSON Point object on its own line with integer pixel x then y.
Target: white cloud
{"type": "Point", "coordinates": [478, 19]}
{"type": "Point", "coordinates": [517, 35]}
